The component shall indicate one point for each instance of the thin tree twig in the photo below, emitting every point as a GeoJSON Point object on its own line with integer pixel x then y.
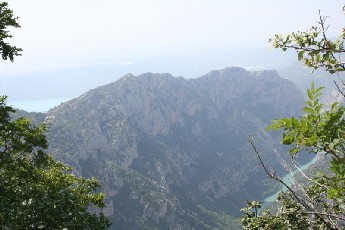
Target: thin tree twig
{"type": "Point", "coordinates": [326, 214]}
{"type": "Point", "coordinates": [272, 175]}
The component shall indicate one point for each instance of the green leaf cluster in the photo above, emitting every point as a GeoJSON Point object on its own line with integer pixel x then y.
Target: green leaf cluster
{"type": "Point", "coordinates": [320, 205]}
{"type": "Point", "coordinates": [290, 216]}
{"type": "Point", "coordinates": [313, 47]}
{"type": "Point", "coordinates": [36, 191]}
{"type": "Point", "coordinates": [7, 19]}
{"type": "Point", "coordinates": [318, 130]}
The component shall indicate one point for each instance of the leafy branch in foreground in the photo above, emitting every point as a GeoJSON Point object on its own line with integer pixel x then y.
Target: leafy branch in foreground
{"type": "Point", "coordinates": [314, 48]}
{"type": "Point", "coordinates": [321, 204]}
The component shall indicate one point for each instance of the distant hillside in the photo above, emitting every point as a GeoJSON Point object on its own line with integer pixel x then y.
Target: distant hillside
{"type": "Point", "coordinates": [172, 153]}
{"type": "Point", "coordinates": [303, 77]}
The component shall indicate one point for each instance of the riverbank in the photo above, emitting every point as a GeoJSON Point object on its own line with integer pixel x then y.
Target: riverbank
{"type": "Point", "coordinates": [289, 179]}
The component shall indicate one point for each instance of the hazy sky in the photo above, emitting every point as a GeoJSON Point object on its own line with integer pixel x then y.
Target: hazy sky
{"type": "Point", "coordinates": [81, 32]}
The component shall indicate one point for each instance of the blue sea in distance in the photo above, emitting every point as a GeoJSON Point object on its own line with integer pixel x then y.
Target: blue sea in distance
{"type": "Point", "coordinates": [37, 105]}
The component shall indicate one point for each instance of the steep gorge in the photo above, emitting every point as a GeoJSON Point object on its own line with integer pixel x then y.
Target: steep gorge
{"type": "Point", "coordinates": [172, 153]}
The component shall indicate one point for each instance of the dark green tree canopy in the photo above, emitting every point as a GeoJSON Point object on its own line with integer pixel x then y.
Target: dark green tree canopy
{"type": "Point", "coordinates": [36, 191]}
{"type": "Point", "coordinates": [7, 19]}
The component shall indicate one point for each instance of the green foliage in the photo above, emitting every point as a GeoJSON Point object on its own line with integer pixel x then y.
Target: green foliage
{"type": "Point", "coordinates": [36, 191]}
{"type": "Point", "coordinates": [221, 220]}
{"type": "Point", "coordinates": [322, 203]}
{"type": "Point", "coordinates": [317, 130]}
{"type": "Point", "coordinates": [314, 49]}
{"type": "Point", "coordinates": [7, 19]}
{"type": "Point", "coordinates": [319, 204]}
{"type": "Point", "coordinates": [290, 216]}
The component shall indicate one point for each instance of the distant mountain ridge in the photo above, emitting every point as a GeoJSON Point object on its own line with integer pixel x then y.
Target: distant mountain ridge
{"type": "Point", "coordinates": [172, 153]}
{"type": "Point", "coordinates": [303, 77]}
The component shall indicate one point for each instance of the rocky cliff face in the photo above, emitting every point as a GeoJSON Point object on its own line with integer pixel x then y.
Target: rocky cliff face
{"type": "Point", "coordinates": [172, 153]}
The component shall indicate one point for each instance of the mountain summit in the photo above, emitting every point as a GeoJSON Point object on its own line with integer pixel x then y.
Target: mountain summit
{"type": "Point", "coordinates": [172, 153]}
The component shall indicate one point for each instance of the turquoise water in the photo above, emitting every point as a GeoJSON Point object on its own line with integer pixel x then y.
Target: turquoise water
{"type": "Point", "coordinates": [288, 179]}
{"type": "Point", "coordinates": [37, 105]}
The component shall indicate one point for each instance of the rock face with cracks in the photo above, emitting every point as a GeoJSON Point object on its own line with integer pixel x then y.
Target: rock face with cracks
{"type": "Point", "coordinates": [172, 153]}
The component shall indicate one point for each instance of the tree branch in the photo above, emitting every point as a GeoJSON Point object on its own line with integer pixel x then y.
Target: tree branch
{"type": "Point", "coordinates": [326, 214]}
{"type": "Point", "coordinates": [272, 175]}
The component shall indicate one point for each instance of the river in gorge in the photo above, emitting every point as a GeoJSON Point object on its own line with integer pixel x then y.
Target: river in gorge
{"type": "Point", "coordinates": [289, 179]}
